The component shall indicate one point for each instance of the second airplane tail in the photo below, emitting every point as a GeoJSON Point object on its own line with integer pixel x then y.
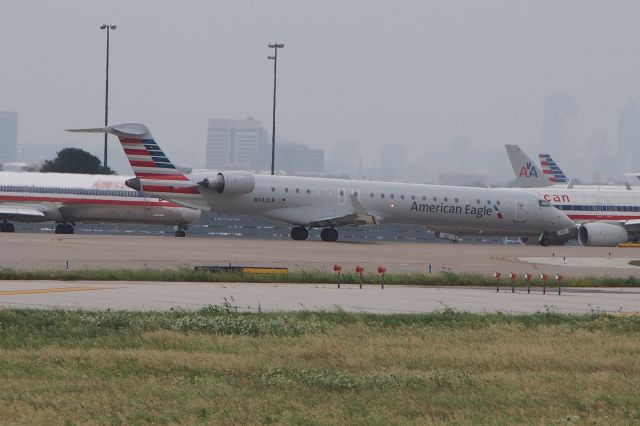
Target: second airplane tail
{"type": "Point", "coordinates": [527, 172]}
{"type": "Point", "coordinates": [551, 169]}
{"type": "Point", "coordinates": [155, 173]}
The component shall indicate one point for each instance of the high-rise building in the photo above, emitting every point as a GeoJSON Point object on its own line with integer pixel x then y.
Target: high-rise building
{"type": "Point", "coordinates": [230, 143]}
{"type": "Point", "coordinates": [291, 158]}
{"type": "Point", "coordinates": [8, 136]}
{"type": "Point", "coordinates": [560, 128]}
{"type": "Point", "coordinates": [629, 137]}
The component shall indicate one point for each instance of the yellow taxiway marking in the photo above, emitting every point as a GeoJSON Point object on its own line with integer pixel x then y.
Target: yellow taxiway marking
{"type": "Point", "coordinates": [49, 290]}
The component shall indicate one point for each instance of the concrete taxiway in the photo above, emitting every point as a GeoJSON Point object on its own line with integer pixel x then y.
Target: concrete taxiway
{"type": "Point", "coordinates": [46, 251]}
{"type": "Point", "coordinates": [309, 297]}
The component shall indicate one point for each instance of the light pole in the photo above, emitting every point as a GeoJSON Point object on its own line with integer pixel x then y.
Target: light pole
{"type": "Point", "coordinates": [275, 47]}
{"type": "Point", "coordinates": [106, 97]}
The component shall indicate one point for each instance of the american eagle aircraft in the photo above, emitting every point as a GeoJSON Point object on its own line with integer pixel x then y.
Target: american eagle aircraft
{"type": "Point", "coordinates": [331, 203]}
{"type": "Point", "coordinates": [606, 216]}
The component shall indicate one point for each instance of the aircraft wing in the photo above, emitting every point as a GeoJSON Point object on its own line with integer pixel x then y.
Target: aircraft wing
{"type": "Point", "coordinates": [14, 211]}
{"type": "Point", "coordinates": [360, 216]}
{"type": "Point", "coordinates": [632, 225]}
{"type": "Point", "coordinates": [33, 212]}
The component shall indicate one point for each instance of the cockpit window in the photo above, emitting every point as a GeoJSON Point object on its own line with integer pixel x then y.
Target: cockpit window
{"type": "Point", "coordinates": [543, 203]}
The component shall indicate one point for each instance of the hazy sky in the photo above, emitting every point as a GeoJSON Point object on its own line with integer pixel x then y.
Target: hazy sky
{"type": "Point", "coordinates": [412, 72]}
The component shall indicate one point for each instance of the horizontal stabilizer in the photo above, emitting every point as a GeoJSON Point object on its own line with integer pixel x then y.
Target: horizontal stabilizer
{"type": "Point", "coordinates": [125, 129]}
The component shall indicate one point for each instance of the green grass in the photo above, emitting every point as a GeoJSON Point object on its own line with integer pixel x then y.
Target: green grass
{"type": "Point", "coordinates": [311, 277]}
{"type": "Point", "coordinates": [220, 366]}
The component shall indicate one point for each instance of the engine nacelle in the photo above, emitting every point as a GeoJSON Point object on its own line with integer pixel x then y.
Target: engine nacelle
{"type": "Point", "coordinates": [230, 183]}
{"type": "Point", "coordinates": [601, 234]}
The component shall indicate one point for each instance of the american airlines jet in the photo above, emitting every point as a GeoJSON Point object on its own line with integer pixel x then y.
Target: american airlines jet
{"type": "Point", "coordinates": [331, 203]}
{"type": "Point", "coordinates": [606, 216]}
{"type": "Point", "coordinates": [68, 198]}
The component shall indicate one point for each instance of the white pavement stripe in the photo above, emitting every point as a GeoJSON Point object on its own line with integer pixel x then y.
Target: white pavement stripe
{"type": "Point", "coordinates": [308, 297]}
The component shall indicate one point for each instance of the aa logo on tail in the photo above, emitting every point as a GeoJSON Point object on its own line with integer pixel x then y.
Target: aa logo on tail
{"type": "Point", "coordinates": [528, 170]}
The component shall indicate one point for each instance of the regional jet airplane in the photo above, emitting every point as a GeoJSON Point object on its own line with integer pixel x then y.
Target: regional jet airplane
{"type": "Point", "coordinates": [606, 216]}
{"type": "Point", "coordinates": [68, 198]}
{"type": "Point", "coordinates": [331, 203]}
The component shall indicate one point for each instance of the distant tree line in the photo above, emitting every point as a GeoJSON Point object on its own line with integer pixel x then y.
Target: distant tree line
{"type": "Point", "coordinates": [75, 160]}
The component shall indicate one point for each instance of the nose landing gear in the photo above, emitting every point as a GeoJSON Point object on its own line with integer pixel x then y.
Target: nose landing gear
{"type": "Point", "coordinates": [299, 233]}
{"type": "Point", "coordinates": [329, 234]}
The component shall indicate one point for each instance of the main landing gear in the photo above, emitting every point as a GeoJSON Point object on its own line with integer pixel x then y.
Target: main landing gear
{"type": "Point", "coordinates": [299, 233]}
{"type": "Point", "coordinates": [180, 231]}
{"type": "Point", "coordinates": [7, 227]}
{"type": "Point", "coordinates": [329, 234]}
{"type": "Point", "coordinates": [64, 228]}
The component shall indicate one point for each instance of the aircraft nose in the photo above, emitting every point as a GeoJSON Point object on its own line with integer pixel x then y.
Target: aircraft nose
{"type": "Point", "coordinates": [562, 221]}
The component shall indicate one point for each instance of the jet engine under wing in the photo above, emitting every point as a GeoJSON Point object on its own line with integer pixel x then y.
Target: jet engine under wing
{"type": "Point", "coordinates": [360, 216]}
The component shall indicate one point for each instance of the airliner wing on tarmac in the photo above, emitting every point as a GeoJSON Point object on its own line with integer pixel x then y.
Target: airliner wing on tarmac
{"type": "Point", "coordinates": [23, 210]}
{"type": "Point", "coordinates": [329, 203]}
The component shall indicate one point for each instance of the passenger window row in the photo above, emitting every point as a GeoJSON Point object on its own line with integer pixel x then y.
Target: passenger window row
{"type": "Point", "coordinates": [599, 208]}
{"type": "Point", "coordinates": [392, 196]}
{"type": "Point", "coordinates": [73, 191]}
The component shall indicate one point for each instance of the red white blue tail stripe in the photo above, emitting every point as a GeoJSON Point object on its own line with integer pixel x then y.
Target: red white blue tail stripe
{"type": "Point", "coordinates": [551, 170]}
{"type": "Point", "coordinates": [156, 172]}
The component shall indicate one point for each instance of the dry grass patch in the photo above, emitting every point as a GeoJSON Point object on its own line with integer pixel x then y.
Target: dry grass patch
{"type": "Point", "coordinates": [218, 366]}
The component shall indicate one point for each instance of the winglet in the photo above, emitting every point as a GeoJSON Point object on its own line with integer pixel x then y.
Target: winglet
{"type": "Point", "coordinates": [570, 183]}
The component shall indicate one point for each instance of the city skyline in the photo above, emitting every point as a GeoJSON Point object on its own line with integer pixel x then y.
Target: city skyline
{"type": "Point", "coordinates": [420, 74]}
{"type": "Point", "coordinates": [458, 163]}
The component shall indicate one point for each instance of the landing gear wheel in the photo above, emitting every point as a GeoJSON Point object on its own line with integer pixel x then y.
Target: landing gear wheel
{"type": "Point", "coordinates": [7, 227]}
{"type": "Point", "coordinates": [544, 242]}
{"type": "Point", "coordinates": [64, 228]}
{"type": "Point", "coordinates": [329, 234]}
{"type": "Point", "coordinates": [181, 233]}
{"type": "Point", "coordinates": [299, 233]}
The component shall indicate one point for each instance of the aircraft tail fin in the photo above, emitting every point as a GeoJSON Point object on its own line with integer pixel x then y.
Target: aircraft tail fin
{"type": "Point", "coordinates": [551, 170]}
{"type": "Point", "coordinates": [155, 173]}
{"type": "Point", "coordinates": [526, 171]}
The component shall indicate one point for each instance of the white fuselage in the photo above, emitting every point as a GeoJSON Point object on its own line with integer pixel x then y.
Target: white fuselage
{"type": "Point", "coordinates": [71, 198]}
{"type": "Point", "coordinates": [462, 210]}
{"type": "Point", "coordinates": [588, 205]}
